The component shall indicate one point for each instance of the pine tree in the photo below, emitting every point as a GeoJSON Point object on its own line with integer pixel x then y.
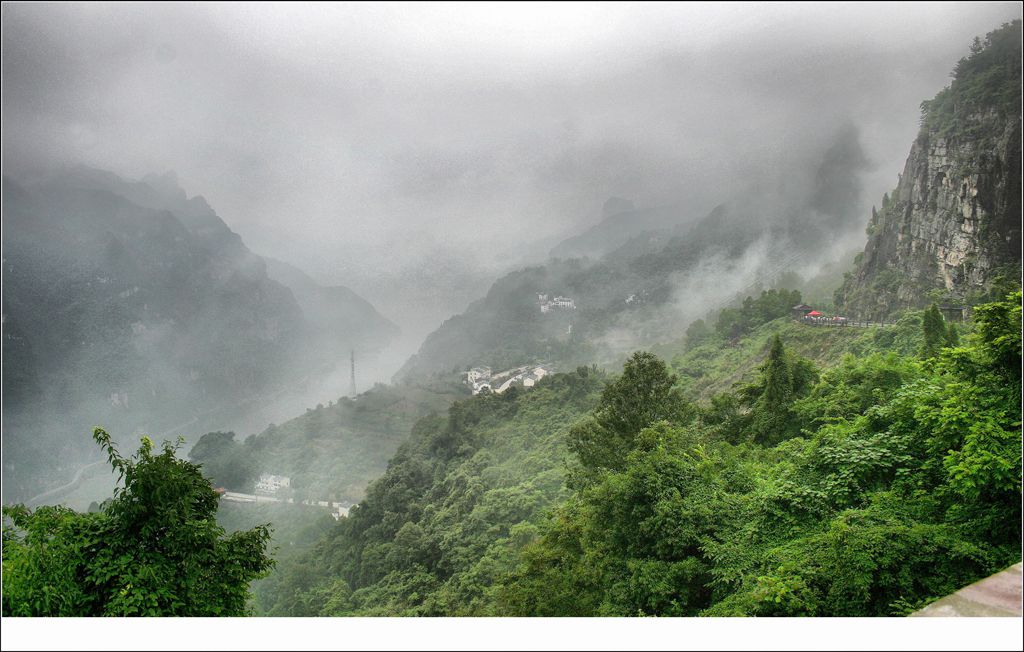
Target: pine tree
{"type": "Point", "coordinates": [772, 407]}
{"type": "Point", "coordinates": [784, 378]}
{"type": "Point", "coordinates": [952, 335]}
{"type": "Point", "coordinates": [777, 377]}
{"type": "Point", "coordinates": [935, 333]}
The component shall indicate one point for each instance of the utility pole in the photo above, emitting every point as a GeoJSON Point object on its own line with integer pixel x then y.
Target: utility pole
{"type": "Point", "coordinates": [352, 389]}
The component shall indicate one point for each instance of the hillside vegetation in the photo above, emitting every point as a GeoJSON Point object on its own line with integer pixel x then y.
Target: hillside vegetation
{"type": "Point", "coordinates": [331, 452]}
{"type": "Point", "coordinates": [743, 464]}
{"type": "Point", "coordinates": [866, 487]}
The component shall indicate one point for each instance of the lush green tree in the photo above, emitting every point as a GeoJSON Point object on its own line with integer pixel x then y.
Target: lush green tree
{"type": "Point", "coordinates": [697, 333]}
{"type": "Point", "coordinates": [999, 334]}
{"type": "Point", "coordinates": [224, 461]}
{"type": "Point", "coordinates": [952, 335]}
{"type": "Point", "coordinates": [154, 549]}
{"type": "Point", "coordinates": [642, 395]}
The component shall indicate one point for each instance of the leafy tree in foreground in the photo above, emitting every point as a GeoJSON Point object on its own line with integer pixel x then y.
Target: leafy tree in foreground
{"type": "Point", "coordinates": [154, 549]}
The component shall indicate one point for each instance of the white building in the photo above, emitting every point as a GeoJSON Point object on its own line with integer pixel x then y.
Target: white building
{"type": "Point", "coordinates": [534, 376]}
{"type": "Point", "coordinates": [525, 376]}
{"type": "Point", "coordinates": [478, 378]}
{"type": "Point", "coordinates": [270, 484]}
{"type": "Point", "coordinates": [479, 387]}
{"type": "Point", "coordinates": [547, 305]}
{"type": "Point", "coordinates": [508, 383]}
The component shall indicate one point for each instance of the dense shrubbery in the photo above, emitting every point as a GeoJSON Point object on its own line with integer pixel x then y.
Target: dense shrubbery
{"type": "Point", "coordinates": [868, 488]}
{"type": "Point", "coordinates": [903, 485]}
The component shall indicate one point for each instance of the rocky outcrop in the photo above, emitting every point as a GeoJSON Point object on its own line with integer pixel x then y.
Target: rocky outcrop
{"type": "Point", "coordinates": [952, 226]}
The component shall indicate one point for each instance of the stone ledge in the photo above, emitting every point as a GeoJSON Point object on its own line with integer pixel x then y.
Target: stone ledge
{"type": "Point", "coordinates": [998, 595]}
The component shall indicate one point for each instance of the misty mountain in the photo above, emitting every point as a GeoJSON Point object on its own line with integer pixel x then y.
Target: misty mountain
{"type": "Point", "coordinates": [128, 303]}
{"type": "Point", "coordinates": [335, 315]}
{"type": "Point", "coordinates": [621, 222]}
{"type": "Point", "coordinates": [654, 283]}
{"type": "Point", "coordinates": [508, 327]}
{"type": "Point", "coordinates": [420, 291]}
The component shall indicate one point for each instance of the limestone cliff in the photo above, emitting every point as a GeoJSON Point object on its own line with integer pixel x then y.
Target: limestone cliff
{"type": "Point", "coordinates": [952, 227]}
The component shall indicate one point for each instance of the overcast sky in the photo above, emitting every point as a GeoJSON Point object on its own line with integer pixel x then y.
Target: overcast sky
{"type": "Point", "coordinates": [340, 136]}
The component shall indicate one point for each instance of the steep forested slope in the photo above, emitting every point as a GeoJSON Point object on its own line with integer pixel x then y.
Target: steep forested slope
{"type": "Point", "coordinates": [330, 452]}
{"type": "Point", "coordinates": [435, 533]}
{"type": "Point", "coordinates": [865, 487]}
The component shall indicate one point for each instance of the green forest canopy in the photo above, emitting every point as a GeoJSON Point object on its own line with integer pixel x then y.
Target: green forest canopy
{"type": "Point", "coordinates": [867, 488]}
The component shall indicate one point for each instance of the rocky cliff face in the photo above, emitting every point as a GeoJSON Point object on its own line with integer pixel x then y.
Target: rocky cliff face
{"type": "Point", "coordinates": [952, 226]}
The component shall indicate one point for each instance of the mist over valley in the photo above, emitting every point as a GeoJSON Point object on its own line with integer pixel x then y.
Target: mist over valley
{"type": "Point", "coordinates": [493, 310]}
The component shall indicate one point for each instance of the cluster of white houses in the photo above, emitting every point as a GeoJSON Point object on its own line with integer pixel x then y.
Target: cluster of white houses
{"type": "Point", "coordinates": [269, 484]}
{"type": "Point", "coordinates": [480, 378]}
{"type": "Point", "coordinates": [547, 304]}
{"type": "Point", "coordinates": [266, 492]}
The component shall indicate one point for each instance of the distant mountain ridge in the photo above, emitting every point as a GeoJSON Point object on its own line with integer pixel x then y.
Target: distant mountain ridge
{"type": "Point", "coordinates": [129, 304]}
{"type": "Point", "coordinates": [633, 296]}
{"type": "Point", "coordinates": [334, 311]}
{"type": "Point", "coordinates": [652, 272]}
{"type": "Point", "coordinates": [622, 222]}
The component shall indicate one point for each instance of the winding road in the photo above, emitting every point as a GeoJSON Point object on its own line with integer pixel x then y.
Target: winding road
{"type": "Point", "coordinates": [46, 495]}
{"type": "Point", "coordinates": [67, 487]}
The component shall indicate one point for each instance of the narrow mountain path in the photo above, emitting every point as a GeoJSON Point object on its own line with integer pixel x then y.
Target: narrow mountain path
{"type": "Point", "coordinates": [46, 495]}
{"type": "Point", "coordinates": [77, 479]}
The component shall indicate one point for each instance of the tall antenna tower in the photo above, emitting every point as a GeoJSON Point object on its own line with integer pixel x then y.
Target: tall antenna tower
{"type": "Point", "coordinates": [352, 388]}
